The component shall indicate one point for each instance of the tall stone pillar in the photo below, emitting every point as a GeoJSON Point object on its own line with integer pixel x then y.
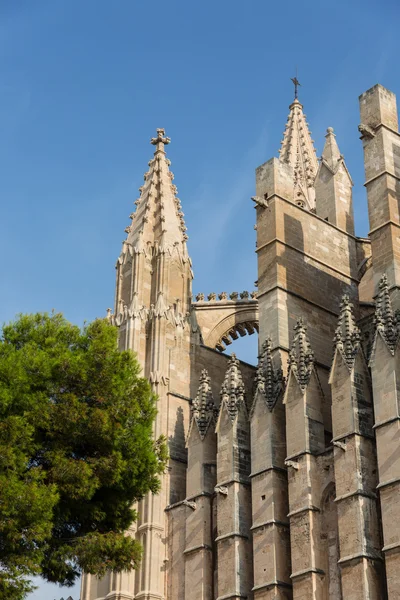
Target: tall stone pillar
{"type": "Point", "coordinates": [305, 439]}
{"type": "Point", "coordinates": [270, 525]}
{"type": "Point", "coordinates": [234, 549]}
{"type": "Point", "coordinates": [381, 143]}
{"type": "Point", "coordinates": [385, 371]}
{"type": "Point", "coordinates": [201, 480]}
{"type": "Point", "coordinates": [361, 561]}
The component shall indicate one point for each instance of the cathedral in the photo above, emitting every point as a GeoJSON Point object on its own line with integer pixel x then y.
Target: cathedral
{"type": "Point", "coordinates": [283, 479]}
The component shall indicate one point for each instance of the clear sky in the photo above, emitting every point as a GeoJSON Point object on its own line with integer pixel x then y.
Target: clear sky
{"type": "Point", "coordinates": [85, 84]}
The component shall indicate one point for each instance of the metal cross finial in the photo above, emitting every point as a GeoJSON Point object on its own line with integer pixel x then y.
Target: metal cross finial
{"type": "Point", "coordinates": [296, 85]}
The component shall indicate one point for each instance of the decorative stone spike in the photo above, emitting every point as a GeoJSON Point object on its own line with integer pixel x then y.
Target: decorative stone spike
{"type": "Point", "coordinates": [204, 411]}
{"type": "Point", "coordinates": [301, 357]}
{"type": "Point", "coordinates": [347, 336]}
{"type": "Point", "coordinates": [232, 391]}
{"type": "Point", "coordinates": [269, 381]}
{"type": "Point", "coordinates": [387, 323]}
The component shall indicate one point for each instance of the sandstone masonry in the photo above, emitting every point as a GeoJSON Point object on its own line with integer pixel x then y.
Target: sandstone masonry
{"type": "Point", "coordinates": [284, 480]}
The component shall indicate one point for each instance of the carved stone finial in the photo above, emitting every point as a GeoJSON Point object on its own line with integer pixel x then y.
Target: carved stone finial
{"type": "Point", "coordinates": [161, 140]}
{"type": "Point", "coordinates": [232, 390]}
{"type": "Point", "coordinates": [244, 295]}
{"type": "Point", "coordinates": [301, 357]}
{"type": "Point", "coordinates": [204, 411]}
{"type": "Point", "coordinates": [212, 296]}
{"type": "Point", "coordinates": [234, 296]}
{"type": "Point", "coordinates": [386, 321]}
{"type": "Point", "coordinates": [200, 297]}
{"type": "Point", "coordinates": [347, 336]}
{"type": "Point", "coordinates": [223, 296]}
{"type": "Point", "coordinates": [269, 381]}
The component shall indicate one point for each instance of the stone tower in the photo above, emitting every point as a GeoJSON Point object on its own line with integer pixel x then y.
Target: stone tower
{"type": "Point", "coordinates": [283, 479]}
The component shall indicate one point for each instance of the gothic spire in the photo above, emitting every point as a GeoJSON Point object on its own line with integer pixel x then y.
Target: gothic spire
{"type": "Point", "coordinates": [232, 390]}
{"type": "Point", "coordinates": [269, 381]}
{"type": "Point", "coordinates": [158, 218]}
{"type": "Point", "coordinates": [298, 151]}
{"type": "Point", "coordinates": [204, 411]}
{"type": "Point", "coordinates": [347, 336]}
{"type": "Point", "coordinates": [301, 357]}
{"type": "Point", "coordinates": [387, 323]}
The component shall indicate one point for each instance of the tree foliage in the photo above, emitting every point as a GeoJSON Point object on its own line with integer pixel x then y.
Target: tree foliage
{"type": "Point", "coordinates": [76, 451]}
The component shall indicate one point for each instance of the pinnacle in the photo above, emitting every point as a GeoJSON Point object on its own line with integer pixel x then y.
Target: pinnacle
{"type": "Point", "coordinates": [268, 380]}
{"type": "Point", "coordinates": [331, 153]}
{"type": "Point", "coordinates": [301, 357]}
{"type": "Point", "coordinates": [347, 336]}
{"type": "Point", "coordinates": [298, 151]}
{"type": "Point", "coordinates": [204, 410]}
{"type": "Point", "coordinates": [232, 390]}
{"type": "Point", "coordinates": [158, 219]}
{"type": "Point", "coordinates": [386, 321]}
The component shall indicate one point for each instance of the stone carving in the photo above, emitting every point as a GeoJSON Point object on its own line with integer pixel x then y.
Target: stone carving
{"type": "Point", "coordinates": [232, 390]}
{"type": "Point", "coordinates": [160, 139]}
{"type": "Point", "coordinates": [386, 321]}
{"type": "Point", "coordinates": [301, 357]}
{"type": "Point", "coordinates": [269, 381]}
{"type": "Point", "coordinates": [347, 336]}
{"type": "Point", "coordinates": [293, 464]}
{"type": "Point", "coordinates": [244, 295]}
{"type": "Point", "coordinates": [366, 131]}
{"type": "Point", "coordinates": [234, 296]}
{"type": "Point", "coordinates": [340, 445]}
{"type": "Point", "coordinates": [260, 201]}
{"type": "Point", "coordinates": [212, 296]}
{"type": "Point", "coordinates": [223, 296]}
{"type": "Point", "coordinates": [190, 504]}
{"type": "Point", "coordinates": [221, 489]}
{"type": "Point", "coordinates": [204, 411]}
{"type": "Point", "coordinates": [200, 297]}
{"type": "Point", "coordinates": [156, 377]}
{"type": "Point", "coordinates": [161, 309]}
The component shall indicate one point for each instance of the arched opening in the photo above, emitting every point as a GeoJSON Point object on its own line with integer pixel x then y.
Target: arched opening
{"type": "Point", "coordinates": [245, 348]}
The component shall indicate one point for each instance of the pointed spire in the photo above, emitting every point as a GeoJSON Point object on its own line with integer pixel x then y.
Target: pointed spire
{"type": "Point", "coordinates": [269, 382]}
{"type": "Point", "coordinates": [331, 153]}
{"type": "Point", "coordinates": [386, 321]}
{"type": "Point", "coordinates": [204, 411]}
{"type": "Point", "coordinates": [158, 219]}
{"type": "Point", "coordinates": [301, 357]}
{"type": "Point", "coordinates": [347, 336]}
{"type": "Point", "coordinates": [232, 390]}
{"type": "Point", "coordinates": [298, 151]}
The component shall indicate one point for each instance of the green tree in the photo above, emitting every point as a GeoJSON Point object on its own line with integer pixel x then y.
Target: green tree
{"type": "Point", "coordinates": [76, 451]}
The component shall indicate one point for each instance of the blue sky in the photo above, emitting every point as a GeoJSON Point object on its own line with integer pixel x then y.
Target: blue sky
{"type": "Point", "coordinates": [83, 87]}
